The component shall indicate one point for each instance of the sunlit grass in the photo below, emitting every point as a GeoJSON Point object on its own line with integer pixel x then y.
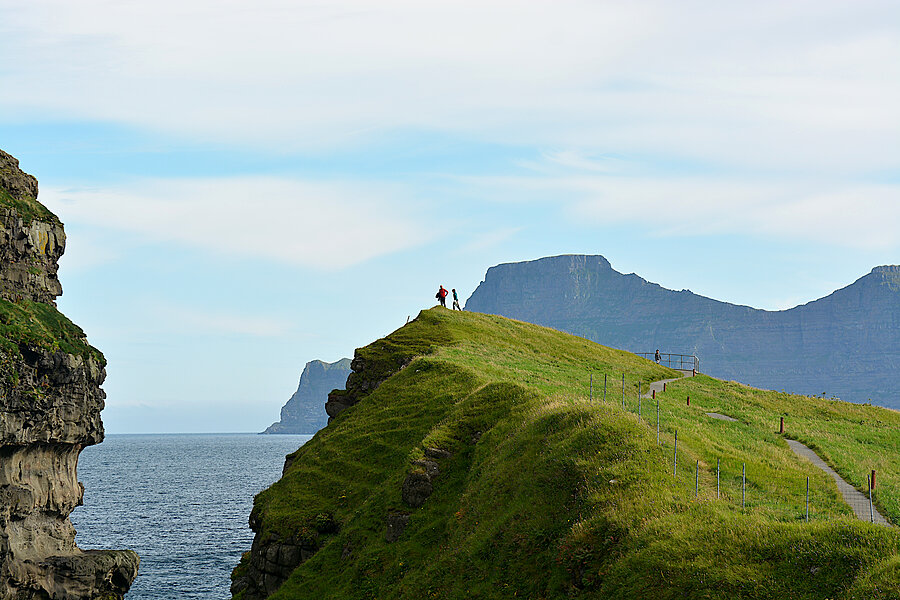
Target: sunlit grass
{"type": "Point", "coordinates": [550, 494]}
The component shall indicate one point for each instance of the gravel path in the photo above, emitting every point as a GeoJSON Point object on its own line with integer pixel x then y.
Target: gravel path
{"type": "Point", "coordinates": [858, 501]}
{"type": "Point", "coordinates": [657, 386]}
{"type": "Point", "coordinates": [721, 417]}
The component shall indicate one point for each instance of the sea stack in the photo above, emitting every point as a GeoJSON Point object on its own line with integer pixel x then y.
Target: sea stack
{"type": "Point", "coordinates": [50, 403]}
{"type": "Point", "coordinates": [305, 412]}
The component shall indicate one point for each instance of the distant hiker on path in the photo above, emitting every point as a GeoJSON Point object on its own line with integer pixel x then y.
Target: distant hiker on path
{"type": "Point", "coordinates": [455, 301]}
{"type": "Point", "coordinates": [657, 356]}
{"type": "Point", "coordinates": [442, 296]}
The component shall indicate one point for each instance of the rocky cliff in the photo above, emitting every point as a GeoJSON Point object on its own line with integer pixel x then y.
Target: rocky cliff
{"type": "Point", "coordinates": [845, 345]}
{"type": "Point", "coordinates": [305, 411]}
{"type": "Point", "coordinates": [50, 403]}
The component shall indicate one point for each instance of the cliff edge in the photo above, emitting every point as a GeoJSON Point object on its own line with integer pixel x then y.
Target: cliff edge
{"type": "Point", "coordinates": [50, 403]}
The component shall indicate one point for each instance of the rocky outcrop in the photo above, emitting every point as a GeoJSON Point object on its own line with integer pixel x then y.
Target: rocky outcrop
{"type": "Point", "coordinates": [50, 403]}
{"type": "Point", "coordinates": [16, 182]}
{"type": "Point", "coordinates": [845, 345]}
{"type": "Point", "coordinates": [367, 373]}
{"type": "Point", "coordinates": [305, 411]}
{"type": "Point", "coordinates": [31, 238]}
{"type": "Point", "coordinates": [272, 559]}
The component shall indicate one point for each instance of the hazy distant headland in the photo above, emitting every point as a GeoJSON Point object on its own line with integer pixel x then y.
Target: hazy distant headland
{"type": "Point", "coordinates": [305, 411]}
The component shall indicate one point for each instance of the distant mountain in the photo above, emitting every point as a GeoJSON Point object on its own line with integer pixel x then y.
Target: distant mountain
{"type": "Point", "coordinates": [845, 345]}
{"type": "Point", "coordinates": [305, 411]}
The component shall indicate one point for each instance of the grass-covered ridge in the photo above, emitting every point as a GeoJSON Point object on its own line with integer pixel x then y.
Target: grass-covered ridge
{"type": "Point", "coordinates": [38, 325]}
{"type": "Point", "coordinates": [546, 494]}
{"type": "Point", "coordinates": [28, 209]}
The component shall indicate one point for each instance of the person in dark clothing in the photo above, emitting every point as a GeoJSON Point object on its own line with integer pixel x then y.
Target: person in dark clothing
{"type": "Point", "coordinates": [657, 356]}
{"type": "Point", "coordinates": [442, 296]}
{"type": "Point", "coordinates": [455, 301]}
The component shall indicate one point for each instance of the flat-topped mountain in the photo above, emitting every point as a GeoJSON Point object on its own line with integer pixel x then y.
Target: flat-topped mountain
{"type": "Point", "coordinates": [305, 411]}
{"type": "Point", "coordinates": [846, 344]}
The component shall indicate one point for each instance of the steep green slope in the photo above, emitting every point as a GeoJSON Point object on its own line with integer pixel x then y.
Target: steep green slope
{"type": "Point", "coordinates": [543, 493]}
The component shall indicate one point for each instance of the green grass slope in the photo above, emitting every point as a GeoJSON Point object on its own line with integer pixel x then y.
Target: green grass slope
{"type": "Point", "coordinates": [547, 494]}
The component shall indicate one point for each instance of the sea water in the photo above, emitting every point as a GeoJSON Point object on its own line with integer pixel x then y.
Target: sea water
{"type": "Point", "coordinates": [181, 502]}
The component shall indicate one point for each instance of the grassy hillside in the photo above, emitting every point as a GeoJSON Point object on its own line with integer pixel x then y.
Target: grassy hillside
{"type": "Point", "coordinates": [546, 494]}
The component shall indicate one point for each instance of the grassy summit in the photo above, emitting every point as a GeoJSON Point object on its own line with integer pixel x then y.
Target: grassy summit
{"type": "Point", "coordinates": [546, 494]}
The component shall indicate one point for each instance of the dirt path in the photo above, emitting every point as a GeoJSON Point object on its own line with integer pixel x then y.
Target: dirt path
{"type": "Point", "coordinates": [858, 501]}
{"type": "Point", "coordinates": [657, 386]}
{"type": "Point", "coordinates": [721, 417]}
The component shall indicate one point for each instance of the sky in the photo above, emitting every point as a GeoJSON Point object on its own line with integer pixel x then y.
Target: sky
{"type": "Point", "coordinates": [250, 186]}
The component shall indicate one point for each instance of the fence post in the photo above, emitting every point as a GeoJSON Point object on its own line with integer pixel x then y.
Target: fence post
{"type": "Point", "coordinates": [873, 480]}
{"type": "Point", "coordinates": [743, 485]}
{"type": "Point", "coordinates": [675, 470]}
{"type": "Point", "coordinates": [623, 391]}
{"type": "Point", "coordinates": [781, 428]}
{"type": "Point", "coordinates": [592, 386]}
{"type": "Point", "coordinates": [639, 399]}
{"type": "Point", "coordinates": [604, 387]}
{"type": "Point", "coordinates": [664, 386]}
{"type": "Point", "coordinates": [689, 400]}
{"type": "Point", "coordinates": [697, 480]}
{"type": "Point", "coordinates": [871, 508]}
{"type": "Point", "coordinates": [657, 422]}
{"type": "Point", "coordinates": [807, 499]}
{"type": "Point", "coordinates": [717, 478]}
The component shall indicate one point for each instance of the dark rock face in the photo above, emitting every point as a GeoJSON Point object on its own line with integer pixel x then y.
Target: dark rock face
{"type": "Point", "coordinates": [396, 523]}
{"type": "Point", "coordinates": [19, 184]}
{"type": "Point", "coordinates": [271, 562]}
{"type": "Point", "coordinates": [304, 412]}
{"type": "Point", "coordinates": [845, 345]}
{"type": "Point", "coordinates": [29, 247]}
{"type": "Point", "coordinates": [50, 403]}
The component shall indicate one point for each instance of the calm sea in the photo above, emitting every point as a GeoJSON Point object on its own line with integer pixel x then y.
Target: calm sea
{"type": "Point", "coordinates": [181, 502]}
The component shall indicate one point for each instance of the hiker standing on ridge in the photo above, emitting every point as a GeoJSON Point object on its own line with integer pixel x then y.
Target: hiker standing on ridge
{"type": "Point", "coordinates": [657, 356]}
{"type": "Point", "coordinates": [455, 301]}
{"type": "Point", "coordinates": [442, 296]}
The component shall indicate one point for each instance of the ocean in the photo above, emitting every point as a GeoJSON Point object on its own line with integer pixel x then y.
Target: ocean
{"type": "Point", "coordinates": [181, 502]}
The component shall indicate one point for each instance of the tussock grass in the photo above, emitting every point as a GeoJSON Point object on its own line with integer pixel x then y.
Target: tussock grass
{"type": "Point", "coordinates": [547, 494]}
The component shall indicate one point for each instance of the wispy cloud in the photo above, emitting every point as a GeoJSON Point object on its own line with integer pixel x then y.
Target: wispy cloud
{"type": "Point", "coordinates": [489, 239]}
{"type": "Point", "coordinates": [311, 224]}
{"type": "Point", "coordinates": [799, 85]}
{"type": "Point", "coordinates": [827, 212]}
{"type": "Point", "coordinates": [193, 321]}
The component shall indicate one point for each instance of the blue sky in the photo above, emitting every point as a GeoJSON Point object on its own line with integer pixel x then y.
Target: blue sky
{"type": "Point", "coordinates": [247, 188]}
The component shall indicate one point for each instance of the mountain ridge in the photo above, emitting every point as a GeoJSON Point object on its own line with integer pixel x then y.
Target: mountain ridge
{"type": "Point", "coordinates": [844, 343]}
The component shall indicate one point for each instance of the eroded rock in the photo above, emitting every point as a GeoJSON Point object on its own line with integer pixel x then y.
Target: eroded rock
{"type": "Point", "coordinates": [50, 403]}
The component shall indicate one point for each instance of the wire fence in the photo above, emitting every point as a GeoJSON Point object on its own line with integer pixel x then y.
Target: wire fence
{"type": "Point", "coordinates": [729, 484]}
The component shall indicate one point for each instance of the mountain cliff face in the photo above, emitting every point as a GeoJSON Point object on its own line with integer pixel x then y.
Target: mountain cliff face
{"type": "Point", "coordinates": [50, 403]}
{"type": "Point", "coordinates": [846, 344]}
{"type": "Point", "coordinates": [305, 411]}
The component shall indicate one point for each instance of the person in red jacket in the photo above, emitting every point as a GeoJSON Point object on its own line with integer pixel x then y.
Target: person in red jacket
{"type": "Point", "coordinates": [442, 296]}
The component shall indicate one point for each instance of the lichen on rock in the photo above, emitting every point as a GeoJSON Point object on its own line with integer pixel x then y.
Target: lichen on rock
{"type": "Point", "coordinates": [50, 403]}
